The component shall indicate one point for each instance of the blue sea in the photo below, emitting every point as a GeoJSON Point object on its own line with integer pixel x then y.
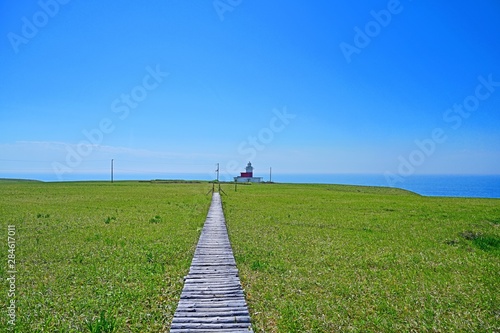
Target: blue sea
{"type": "Point", "coordinates": [476, 186]}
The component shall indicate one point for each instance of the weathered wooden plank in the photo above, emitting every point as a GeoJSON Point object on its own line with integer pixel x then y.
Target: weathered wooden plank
{"type": "Point", "coordinates": [214, 326]}
{"type": "Point", "coordinates": [218, 303]}
{"type": "Point", "coordinates": [208, 330]}
{"type": "Point", "coordinates": [220, 313]}
{"type": "Point", "coordinates": [210, 280]}
{"type": "Point", "coordinates": [203, 287]}
{"type": "Point", "coordinates": [198, 296]}
{"type": "Point", "coordinates": [214, 271]}
{"type": "Point", "coordinates": [243, 321]}
{"type": "Point", "coordinates": [200, 303]}
{"type": "Point", "coordinates": [210, 275]}
{"type": "Point", "coordinates": [216, 263]}
{"type": "Point", "coordinates": [211, 291]}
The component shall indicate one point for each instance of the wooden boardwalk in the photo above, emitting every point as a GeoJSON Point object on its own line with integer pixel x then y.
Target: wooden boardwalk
{"type": "Point", "coordinates": [212, 299]}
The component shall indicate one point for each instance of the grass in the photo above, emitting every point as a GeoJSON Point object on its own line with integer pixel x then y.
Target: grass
{"type": "Point", "coordinates": [325, 258]}
{"type": "Point", "coordinates": [102, 325]}
{"type": "Point", "coordinates": [100, 257]}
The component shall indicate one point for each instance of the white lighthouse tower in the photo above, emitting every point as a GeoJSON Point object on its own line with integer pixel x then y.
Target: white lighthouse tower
{"type": "Point", "coordinates": [249, 169]}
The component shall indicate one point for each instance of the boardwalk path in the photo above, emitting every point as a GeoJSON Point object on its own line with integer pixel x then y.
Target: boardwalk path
{"type": "Point", "coordinates": [212, 299]}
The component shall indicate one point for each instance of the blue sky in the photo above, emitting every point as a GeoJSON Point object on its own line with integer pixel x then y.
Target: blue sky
{"type": "Point", "coordinates": [173, 86]}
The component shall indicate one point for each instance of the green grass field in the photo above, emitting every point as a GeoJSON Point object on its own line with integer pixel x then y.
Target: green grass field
{"type": "Point", "coordinates": [101, 257]}
{"type": "Point", "coordinates": [92, 256]}
{"type": "Point", "coordinates": [320, 258]}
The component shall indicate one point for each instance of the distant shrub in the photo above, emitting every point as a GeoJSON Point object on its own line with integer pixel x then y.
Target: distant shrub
{"type": "Point", "coordinates": [470, 235]}
{"type": "Point", "coordinates": [156, 219]}
{"type": "Point", "coordinates": [484, 242]}
{"type": "Point", "coordinates": [109, 219]}
{"type": "Point", "coordinates": [487, 243]}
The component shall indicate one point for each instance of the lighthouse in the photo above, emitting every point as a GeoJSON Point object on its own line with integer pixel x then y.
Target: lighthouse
{"type": "Point", "coordinates": [247, 176]}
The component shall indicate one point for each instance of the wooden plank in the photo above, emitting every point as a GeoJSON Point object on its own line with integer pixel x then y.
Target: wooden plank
{"type": "Point", "coordinates": [213, 312]}
{"type": "Point", "coordinates": [202, 329]}
{"type": "Point", "coordinates": [214, 326]}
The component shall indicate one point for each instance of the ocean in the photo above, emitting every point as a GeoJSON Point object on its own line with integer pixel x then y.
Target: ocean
{"type": "Point", "coordinates": [475, 186]}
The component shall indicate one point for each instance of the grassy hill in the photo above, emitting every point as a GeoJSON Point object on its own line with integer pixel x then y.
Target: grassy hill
{"type": "Point", "coordinates": [325, 258]}
{"type": "Point", "coordinates": [312, 258]}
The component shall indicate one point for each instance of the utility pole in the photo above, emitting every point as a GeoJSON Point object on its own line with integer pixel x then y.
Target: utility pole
{"type": "Point", "coordinates": [217, 172]}
{"type": "Point", "coordinates": [270, 174]}
{"type": "Point", "coordinates": [112, 170]}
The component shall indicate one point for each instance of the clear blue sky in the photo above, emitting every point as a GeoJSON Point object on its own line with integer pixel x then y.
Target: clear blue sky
{"type": "Point", "coordinates": [305, 87]}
